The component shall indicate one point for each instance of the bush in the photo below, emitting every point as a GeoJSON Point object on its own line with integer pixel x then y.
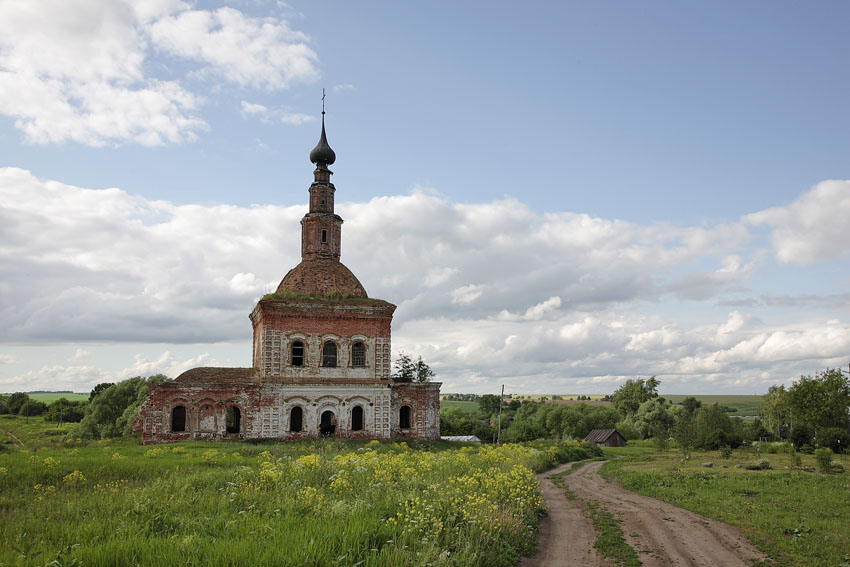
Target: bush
{"type": "Point", "coordinates": [836, 467]}
{"type": "Point", "coordinates": [802, 435]}
{"type": "Point", "coordinates": [32, 407]}
{"type": "Point", "coordinates": [823, 457]}
{"type": "Point", "coordinates": [764, 465]}
{"type": "Point", "coordinates": [63, 410]}
{"type": "Point", "coordinates": [835, 438]}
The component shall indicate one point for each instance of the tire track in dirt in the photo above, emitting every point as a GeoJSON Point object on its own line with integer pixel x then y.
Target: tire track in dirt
{"type": "Point", "coordinates": [566, 532]}
{"type": "Point", "coordinates": [662, 534]}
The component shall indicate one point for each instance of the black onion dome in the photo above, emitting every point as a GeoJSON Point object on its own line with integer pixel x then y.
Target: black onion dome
{"type": "Point", "coordinates": [322, 154]}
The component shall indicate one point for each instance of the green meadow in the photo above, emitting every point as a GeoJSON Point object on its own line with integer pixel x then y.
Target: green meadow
{"type": "Point", "coordinates": [746, 405]}
{"type": "Point", "coordinates": [798, 518]}
{"type": "Point", "coordinates": [49, 398]}
{"type": "Point", "coordinates": [116, 502]}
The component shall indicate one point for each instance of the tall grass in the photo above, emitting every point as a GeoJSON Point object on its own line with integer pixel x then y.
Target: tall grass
{"type": "Point", "coordinates": [307, 503]}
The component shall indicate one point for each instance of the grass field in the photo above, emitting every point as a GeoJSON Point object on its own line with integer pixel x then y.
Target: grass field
{"type": "Point", "coordinates": [798, 518]}
{"type": "Point", "coordinates": [52, 397]}
{"type": "Point", "coordinates": [469, 407]}
{"type": "Point", "coordinates": [747, 406]}
{"type": "Point", "coordinates": [228, 503]}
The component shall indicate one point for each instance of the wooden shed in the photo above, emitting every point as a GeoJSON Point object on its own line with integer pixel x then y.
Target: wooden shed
{"type": "Point", "coordinates": [606, 438]}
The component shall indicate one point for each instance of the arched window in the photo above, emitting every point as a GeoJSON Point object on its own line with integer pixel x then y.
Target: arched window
{"type": "Point", "coordinates": [297, 353]}
{"type": "Point", "coordinates": [296, 419]}
{"type": "Point", "coordinates": [178, 419]}
{"type": "Point", "coordinates": [329, 354]}
{"type": "Point", "coordinates": [357, 418]}
{"type": "Point", "coordinates": [358, 354]}
{"type": "Point", "coordinates": [404, 417]}
{"type": "Point", "coordinates": [233, 420]}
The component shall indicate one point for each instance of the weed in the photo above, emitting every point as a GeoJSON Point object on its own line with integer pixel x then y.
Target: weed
{"type": "Point", "coordinates": [609, 537]}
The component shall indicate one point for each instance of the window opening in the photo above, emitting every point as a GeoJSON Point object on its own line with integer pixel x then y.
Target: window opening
{"type": "Point", "coordinates": [178, 419]}
{"type": "Point", "coordinates": [357, 418]}
{"type": "Point", "coordinates": [327, 426]}
{"type": "Point", "coordinates": [404, 417]}
{"type": "Point", "coordinates": [324, 236]}
{"type": "Point", "coordinates": [297, 353]}
{"type": "Point", "coordinates": [295, 419]}
{"type": "Point", "coordinates": [358, 354]}
{"type": "Point", "coordinates": [233, 420]}
{"type": "Point", "coordinates": [329, 354]}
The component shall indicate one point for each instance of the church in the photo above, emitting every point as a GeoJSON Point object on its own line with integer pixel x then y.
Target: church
{"type": "Point", "coordinates": [321, 357]}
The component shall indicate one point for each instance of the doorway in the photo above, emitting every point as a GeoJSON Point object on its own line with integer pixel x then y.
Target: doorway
{"type": "Point", "coordinates": [327, 426]}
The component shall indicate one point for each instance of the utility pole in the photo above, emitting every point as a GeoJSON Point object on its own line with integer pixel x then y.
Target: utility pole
{"type": "Point", "coordinates": [501, 402]}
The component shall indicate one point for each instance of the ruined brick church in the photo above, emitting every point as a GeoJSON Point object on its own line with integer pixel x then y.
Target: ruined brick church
{"type": "Point", "coordinates": [321, 357]}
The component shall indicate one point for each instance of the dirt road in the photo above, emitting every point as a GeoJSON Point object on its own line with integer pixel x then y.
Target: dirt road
{"type": "Point", "coordinates": [661, 534]}
{"type": "Point", "coordinates": [566, 533]}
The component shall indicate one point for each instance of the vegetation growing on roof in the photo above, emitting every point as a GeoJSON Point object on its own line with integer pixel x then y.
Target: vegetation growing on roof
{"type": "Point", "coordinates": [331, 296]}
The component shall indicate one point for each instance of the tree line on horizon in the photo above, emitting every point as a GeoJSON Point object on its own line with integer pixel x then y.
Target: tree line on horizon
{"type": "Point", "coordinates": [812, 412]}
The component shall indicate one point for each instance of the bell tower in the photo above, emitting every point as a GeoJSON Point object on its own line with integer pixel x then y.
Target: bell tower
{"type": "Point", "coordinates": [321, 228]}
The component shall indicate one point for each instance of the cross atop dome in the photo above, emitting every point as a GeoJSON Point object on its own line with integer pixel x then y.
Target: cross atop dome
{"type": "Point", "coordinates": [322, 155]}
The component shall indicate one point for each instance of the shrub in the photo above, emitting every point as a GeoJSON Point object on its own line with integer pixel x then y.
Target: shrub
{"type": "Point", "coordinates": [764, 465]}
{"type": "Point", "coordinates": [823, 457]}
{"type": "Point", "coordinates": [836, 438]}
{"type": "Point", "coordinates": [836, 467]}
{"type": "Point", "coordinates": [802, 435]}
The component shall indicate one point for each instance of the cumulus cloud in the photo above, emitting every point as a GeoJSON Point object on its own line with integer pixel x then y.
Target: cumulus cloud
{"type": "Point", "coordinates": [813, 228]}
{"type": "Point", "coordinates": [486, 293]}
{"type": "Point", "coordinates": [84, 377]}
{"type": "Point", "coordinates": [85, 66]}
{"type": "Point", "coordinates": [8, 359]}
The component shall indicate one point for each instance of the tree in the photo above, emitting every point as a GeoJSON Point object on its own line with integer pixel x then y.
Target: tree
{"type": "Point", "coordinates": [406, 370]}
{"type": "Point", "coordinates": [112, 411]}
{"type": "Point", "coordinates": [653, 419]}
{"type": "Point", "coordinates": [16, 401]}
{"type": "Point", "coordinates": [820, 401]}
{"type": "Point", "coordinates": [455, 421]}
{"type": "Point", "coordinates": [32, 408]}
{"type": "Point", "coordinates": [628, 397]}
{"type": "Point", "coordinates": [774, 410]}
{"type": "Point", "coordinates": [691, 404]}
{"type": "Point", "coordinates": [98, 389]}
{"type": "Point", "coordinates": [488, 404]}
{"type": "Point", "coordinates": [63, 411]}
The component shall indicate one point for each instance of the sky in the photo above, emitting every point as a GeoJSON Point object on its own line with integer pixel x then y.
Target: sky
{"type": "Point", "coordinates": [558, 196]}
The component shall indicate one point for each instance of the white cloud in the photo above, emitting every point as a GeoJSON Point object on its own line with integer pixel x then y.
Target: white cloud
{"type": "Point", "coordinates": [80, 355]}
{"type": "Point", "coordinates": [484, 292]}
{"type": "Point", "coordinates": [439, 275]}
{"type": "Point", "coordinates": [533, 313]}
{"type": "Point", "coordinates": [814, 227]}
{"type": "Point", "coordinates": [253, 109]}
{"type": "Point", "coordinates": [269, 115]}
{"type": "Point", "coordinates": [84, 377]}
{"type": "Point", "coordinates": [257, 52]}
{"type": "Point", "coordinates": [8, 359]}
{"type": "Point", "coordinates": [465, 295]}
{"type": "Point", "coordinates": [85, 66]}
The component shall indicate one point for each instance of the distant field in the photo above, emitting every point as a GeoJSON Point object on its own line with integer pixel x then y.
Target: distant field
{"type": "Point", "coordinates": [746, 405]}
{"type": "Point", "coordinates": [469, 407]}
{"type": "Point", "coordinates": [572, 402]}
{"type": "Point", "coordinates": [52, 397]}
